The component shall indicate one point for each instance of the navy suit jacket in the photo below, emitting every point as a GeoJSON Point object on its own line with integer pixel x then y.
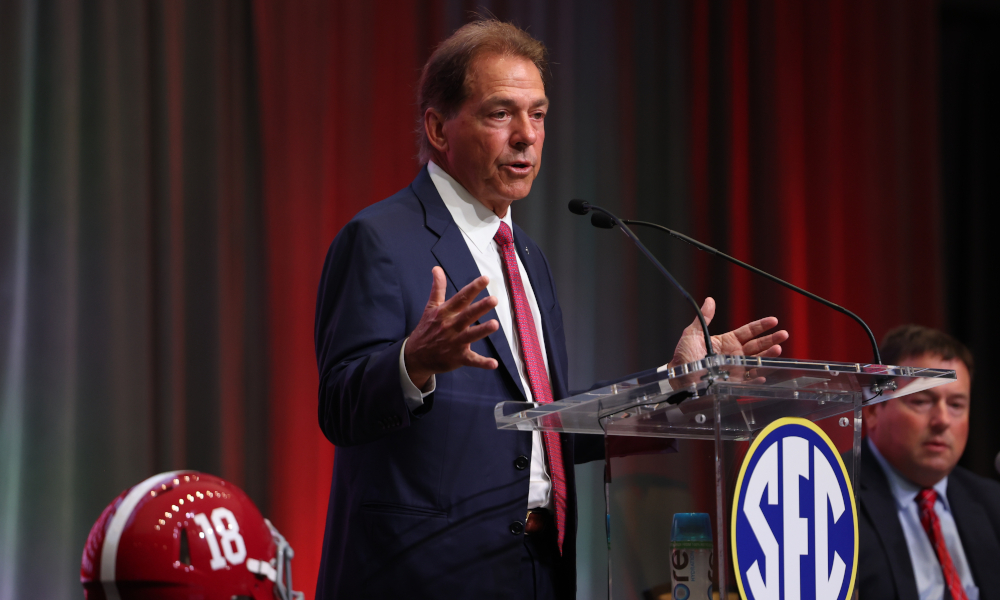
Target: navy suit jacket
{"type": "Point", "coordinates": [885, 571]}
{"type": "Point", "coordinates": [423, 504]}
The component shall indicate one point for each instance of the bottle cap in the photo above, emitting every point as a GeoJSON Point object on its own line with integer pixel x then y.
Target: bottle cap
{"type": "Point", "coordinates": [691, 530]}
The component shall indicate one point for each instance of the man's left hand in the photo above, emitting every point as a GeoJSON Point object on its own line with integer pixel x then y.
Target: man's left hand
{"type": "Point", "coordinates": [748, 340]}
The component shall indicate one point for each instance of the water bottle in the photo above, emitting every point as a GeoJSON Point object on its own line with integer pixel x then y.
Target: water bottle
{"type": "Point", "coordinates": [692, 564]}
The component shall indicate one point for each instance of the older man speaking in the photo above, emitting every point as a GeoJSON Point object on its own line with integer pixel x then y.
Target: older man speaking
{"type": "Point", "coordinates": [432, 308]}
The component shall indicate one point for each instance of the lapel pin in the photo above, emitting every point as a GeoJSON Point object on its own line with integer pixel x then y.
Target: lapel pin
{"type": "Point", "coordinates": [526, 250]}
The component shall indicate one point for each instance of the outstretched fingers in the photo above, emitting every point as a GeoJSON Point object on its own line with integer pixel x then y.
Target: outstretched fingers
{"type": "Point", "coordinates": [477, 332]}
{"type": "Point", "coordinates": [473, 312]}
{"type": "Point", "coordinates": [707, 311]}
{"type": "Point", "coordinates": [767, 346]}
{"type": "Point", "coordinates": [474, 334]}
{"type": "Point", "coordinates": [461, 300]}
{"type": "Point", "coordinates": [438, 285]}
{"type": "Point", "coordinates": [754, 329]}
{"type": "Point", "coordinates": [471, 359]}
{"type": "Point", "coordinates": [441, 341]}
{"type": "Point", "coordinates": [772, 352]}
{"type": "Point", "coordinates": [466, 295]}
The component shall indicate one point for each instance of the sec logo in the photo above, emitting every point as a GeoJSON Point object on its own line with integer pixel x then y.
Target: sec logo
{"type": "Point", "coordinates": [795, 522]}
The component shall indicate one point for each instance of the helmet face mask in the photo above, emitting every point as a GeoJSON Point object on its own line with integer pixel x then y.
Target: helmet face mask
{"type": "Point", "coordinates": [185, 534]}
{"type": "Point", "coordinates": [283, 562]}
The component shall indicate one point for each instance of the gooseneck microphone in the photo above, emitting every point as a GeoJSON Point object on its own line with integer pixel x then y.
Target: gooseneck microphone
{"type": "Point", "coordinates": [604, 222]}
{"type": "Point", "coordinates": [581, 207]}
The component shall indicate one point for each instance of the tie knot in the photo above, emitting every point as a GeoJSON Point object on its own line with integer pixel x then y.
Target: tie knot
{"type": "Point", "coordinates": [926, 498]}
{"type": "Point", "coordinates": [503, 236]}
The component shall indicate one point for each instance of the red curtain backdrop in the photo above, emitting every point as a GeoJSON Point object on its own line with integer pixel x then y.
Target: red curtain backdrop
{"type": "Point", "coordinates": [833, 155]}
{"type": "Point", "coordinates": [831, 177]}
{"type": "Point", "coordinates": [336, 86]}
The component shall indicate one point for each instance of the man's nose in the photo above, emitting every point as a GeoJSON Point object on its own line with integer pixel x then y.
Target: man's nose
{"type": "Point", "coordinates": [523, 133]}
{"type": "Point", "coordinates": [940, 419]}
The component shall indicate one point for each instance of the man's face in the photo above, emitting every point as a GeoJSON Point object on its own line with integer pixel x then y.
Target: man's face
{"type": "Point", "coordinates": [923, 435]}
{"type": "Point", "coordinates": [493, 145]}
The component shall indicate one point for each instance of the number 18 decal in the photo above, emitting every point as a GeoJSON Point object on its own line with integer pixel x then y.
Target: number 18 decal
{"type": "Point", "coordinates": [233, 547]}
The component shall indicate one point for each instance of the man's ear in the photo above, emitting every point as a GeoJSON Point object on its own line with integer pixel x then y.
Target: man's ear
{"type": "Point", "coordinates": [869, 415]}
{"type": "Point", "coordinates": [434, 129]}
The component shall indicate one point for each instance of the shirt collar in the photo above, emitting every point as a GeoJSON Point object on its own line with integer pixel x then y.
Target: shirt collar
{"type": "Point", "coordinates": [476, 221]}
{"type": "Point", "coordinates": [903, 490]}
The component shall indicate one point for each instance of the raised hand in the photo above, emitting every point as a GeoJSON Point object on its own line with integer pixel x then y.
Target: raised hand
{"type": "Point", "coordinates": [747, 340]}
{"type": "Point", "coordinates": [440, 342]}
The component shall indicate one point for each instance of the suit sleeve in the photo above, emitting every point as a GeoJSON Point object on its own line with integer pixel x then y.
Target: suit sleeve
{"type": "Point", "coordinates": [361, 323]}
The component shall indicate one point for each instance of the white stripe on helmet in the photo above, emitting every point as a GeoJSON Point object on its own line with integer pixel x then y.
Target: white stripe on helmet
{"type": "Point", "coordinates": [109, 553]}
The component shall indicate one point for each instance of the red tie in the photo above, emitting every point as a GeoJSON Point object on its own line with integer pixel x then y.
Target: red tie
{"type": "Point", "coordinates": [531, 352]}
{"type": "Point", "coordinates": [929, 519]}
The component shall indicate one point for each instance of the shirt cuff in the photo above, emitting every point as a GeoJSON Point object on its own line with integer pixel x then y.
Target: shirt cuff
{"type": "Point", "coordinates": [412, 395]}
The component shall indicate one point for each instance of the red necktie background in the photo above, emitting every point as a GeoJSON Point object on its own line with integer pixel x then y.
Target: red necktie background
{"type": "Point", "coordinates": [932, 525]}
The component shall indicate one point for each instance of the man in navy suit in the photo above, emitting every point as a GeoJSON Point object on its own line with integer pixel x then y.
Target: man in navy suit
{"type": "Point", "coordinates": [929, 528]}
{"type": "Point", "coordinates": [434, 307]}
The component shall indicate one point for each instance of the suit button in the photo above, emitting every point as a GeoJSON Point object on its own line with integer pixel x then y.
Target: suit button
{"type": "Point", "coordinates": [521, 463]}
{"type": "Point", "coordinates": [517, 527]}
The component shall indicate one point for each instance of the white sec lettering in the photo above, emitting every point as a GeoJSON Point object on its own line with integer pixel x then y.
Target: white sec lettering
{"type": "Point", "coordinates": [765, 476]}
{"type": "Point", "coordinates": [827, 490]}
{"type": "Point", "coordinates": [795, 464]}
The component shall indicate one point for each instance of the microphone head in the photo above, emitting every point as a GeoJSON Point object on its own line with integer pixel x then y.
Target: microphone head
{"type": "Point", "coordinates": [579, 207]}
{"type": "Point", "coordinates": [601, 220]}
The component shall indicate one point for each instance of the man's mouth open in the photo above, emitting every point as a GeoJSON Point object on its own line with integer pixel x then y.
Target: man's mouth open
{"type": "Point", "coordinates": [518, 168]}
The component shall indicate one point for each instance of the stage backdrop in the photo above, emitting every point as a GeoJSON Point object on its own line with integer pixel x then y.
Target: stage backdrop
{"type": "Point", "coordinates": [172, 173]}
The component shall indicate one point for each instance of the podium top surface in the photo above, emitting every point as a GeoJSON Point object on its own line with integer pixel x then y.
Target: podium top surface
{"type": "Point", "coordinates": [751, 392]}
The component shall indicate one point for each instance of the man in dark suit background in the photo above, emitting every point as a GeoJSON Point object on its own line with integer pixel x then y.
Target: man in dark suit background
{"type": "Point", "coordinates": [428, 498]}
{"type": "Point", "coordinates": [929, 529]}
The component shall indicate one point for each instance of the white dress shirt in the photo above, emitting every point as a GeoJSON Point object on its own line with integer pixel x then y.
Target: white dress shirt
{"type": "Point", "coordinates": [926, 567]}
{"type": "Point", "coordinates": [478, 225]}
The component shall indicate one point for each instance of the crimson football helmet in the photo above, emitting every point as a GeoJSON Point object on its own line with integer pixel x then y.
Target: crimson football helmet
{"type": "Point", "coordinates": [185, 535]}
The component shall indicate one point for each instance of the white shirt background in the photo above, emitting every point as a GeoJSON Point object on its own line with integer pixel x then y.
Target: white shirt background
{"type": "Point", "coordinates": [478, 225]}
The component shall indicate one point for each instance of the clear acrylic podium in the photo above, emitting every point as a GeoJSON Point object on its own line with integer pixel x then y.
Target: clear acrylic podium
{"type": "Point", "coordinates": [726, 399]}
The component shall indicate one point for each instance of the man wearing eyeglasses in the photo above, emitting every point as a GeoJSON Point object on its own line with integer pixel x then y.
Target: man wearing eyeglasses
{"type": "Point", "coordinates": [928, 528]}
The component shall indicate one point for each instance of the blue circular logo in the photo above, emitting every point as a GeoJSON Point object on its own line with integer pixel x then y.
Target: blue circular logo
{"type": "Point", "coordinates": [681, 592]}
{"type": "Point", "coordinates": [795, 522]}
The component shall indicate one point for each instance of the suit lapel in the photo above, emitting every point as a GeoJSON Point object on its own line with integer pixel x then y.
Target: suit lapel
{"type": "Point", "coordinates": [981, 547]}
{"type": "Point", "coordinates": [452, 253]}
{"type": "Point", "coordinates": [880, 505]}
